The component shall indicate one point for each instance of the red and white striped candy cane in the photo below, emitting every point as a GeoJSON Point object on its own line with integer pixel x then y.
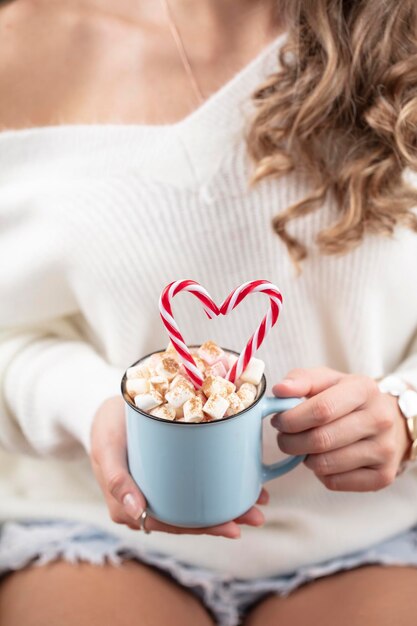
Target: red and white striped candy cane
{"type": "Point", "coordinates": [271, 318]}
{"type": "Point", "coordinates": [211, 309]}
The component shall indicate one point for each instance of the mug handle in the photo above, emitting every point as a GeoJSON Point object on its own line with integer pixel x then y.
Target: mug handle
{"type": "Point", "coordinates": [278, 405]}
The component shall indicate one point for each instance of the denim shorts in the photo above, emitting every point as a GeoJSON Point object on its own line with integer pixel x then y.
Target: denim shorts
{"type": "Point", "coordinates": [35, 543]}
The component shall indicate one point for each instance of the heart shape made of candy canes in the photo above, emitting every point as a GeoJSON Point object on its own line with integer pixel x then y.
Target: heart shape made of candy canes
{"type": "Point", "coordinates": [212, 310]}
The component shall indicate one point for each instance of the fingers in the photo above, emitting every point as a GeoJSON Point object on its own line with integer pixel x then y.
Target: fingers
{"type": "Point", "coordinates": [351, 393]}
{"type": "Point", "coordinates": [124, 500]}
{"type": "Point", "coordinates": [307, 382]}
{"type": "Point", "coordinates": [368, 452]}
{"type": "Point", "coordinates": [108, 456]}
{"type": "Point", "coordinates": [263, 497]}
{"type": "Point", "coordinates": [230, 530]}
{"type": "Point", "coordinates": [364, 479]}
{"type": "Point", "coordinates": [337, 434]}
{"type": "Point", "coordinates": [253, 517]}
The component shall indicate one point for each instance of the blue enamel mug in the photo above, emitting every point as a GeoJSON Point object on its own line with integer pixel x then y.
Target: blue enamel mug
{"type": "Point", "coordinates": [201, 474]}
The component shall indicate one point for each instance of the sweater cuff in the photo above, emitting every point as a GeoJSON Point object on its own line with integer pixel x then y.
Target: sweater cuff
{"type": "Point", "coordinates": [54, 388]}
{"type": "Point", "coordinates": [407, 375]}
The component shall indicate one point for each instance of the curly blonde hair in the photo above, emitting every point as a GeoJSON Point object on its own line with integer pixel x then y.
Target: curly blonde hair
{"type": "Point", "coordinates": [342, 108]}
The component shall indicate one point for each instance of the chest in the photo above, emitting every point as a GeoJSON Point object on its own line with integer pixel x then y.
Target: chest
{"type": "Point", "coordinates": [148, 234]}
{"type": "Point", "coordinates": [104, 71]}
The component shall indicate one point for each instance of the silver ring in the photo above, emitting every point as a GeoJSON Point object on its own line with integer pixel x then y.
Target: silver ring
{"type": "Point", "coordinates": [142, 520]}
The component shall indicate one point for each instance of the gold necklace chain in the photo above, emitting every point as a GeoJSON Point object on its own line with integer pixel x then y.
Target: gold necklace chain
{"type": "Point", "coordinates": [182, 52]}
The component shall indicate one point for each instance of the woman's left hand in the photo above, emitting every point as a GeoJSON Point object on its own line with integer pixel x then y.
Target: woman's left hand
{"type": "Point", "coordinates": [354, 435]}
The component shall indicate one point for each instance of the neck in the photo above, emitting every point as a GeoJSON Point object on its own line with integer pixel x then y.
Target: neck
{"type": "Point", "coordinates": [219, 8]}
{"type": "Point", "coordinates": [228, 16]}
{"type": "Point", "coordinates": [222, 23]}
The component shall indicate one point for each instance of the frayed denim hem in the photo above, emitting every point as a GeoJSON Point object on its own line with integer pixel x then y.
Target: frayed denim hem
{"type": "Point", "coordinates": [36, 543]}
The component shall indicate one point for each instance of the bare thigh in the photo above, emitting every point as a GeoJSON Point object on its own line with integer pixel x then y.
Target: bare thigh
{"type": "Point", "coordinates": [366, 596]}
{"type": "Point", "coordinates": [63, 594]}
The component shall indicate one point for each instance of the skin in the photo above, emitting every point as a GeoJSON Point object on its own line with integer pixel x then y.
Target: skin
{"type": "Point", "coordinates": [366, 596]}
{"type": "Point", "coordinates": [110, 49]}
{"type": "Point", "coordinates": [124, 500]}
{"type": "Point", "coordinates": [354, 435]}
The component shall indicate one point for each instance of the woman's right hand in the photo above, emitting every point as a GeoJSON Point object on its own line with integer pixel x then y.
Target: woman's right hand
{"type": "Point", "coordinates": [124, 500]}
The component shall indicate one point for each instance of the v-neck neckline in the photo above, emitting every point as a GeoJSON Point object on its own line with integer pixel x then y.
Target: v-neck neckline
{"type": "Point", "coordinates": [213, 109]}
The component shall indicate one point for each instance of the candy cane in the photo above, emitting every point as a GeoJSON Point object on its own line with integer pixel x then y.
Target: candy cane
{"type": "Point", "coordinates": [165, 310]}
{"type": "Point", "coordinates": [271, 318]}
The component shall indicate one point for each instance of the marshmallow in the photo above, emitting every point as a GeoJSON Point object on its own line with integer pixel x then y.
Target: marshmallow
{"type": "Point", "coordinates": [182, 370]}
{"type": "Point", "coordinates": [165, 411]}
{"type": "Point", "coordinates": [138, 371]}
{"type": "Point", "coordinates": [200, 394]}
{"type": "Point", "coordinates": [136, 386]}
{"type": "Point", "coordinates": [167, 367]}
{"type": "Point", "coordinates": [217, 385]}
{"type": "Point", "coordinates": [216, 406]}
{"type": "Point", "coordinates": [171, 355]}
{"type": "Point", "coordinates": [247, 394]}
{"type": "Point", "coordinates": [218, 369]}
{"type": "Point", "coordinates": [147, 401]}
{"type": "Point", "coordinates": [154, 359]}
{"type": "Point", "coordinates": [225, 361]}
{"type": "Point", "coordinates": [161, 386]}
{"type": "Point", "coordinates": [179, 395]}
{"type": "Point", "coordinates": [179, 378]}
{"type": "Point", "coordinates": [170, 350]}
{"type": "Point", "coordinates": [200, 363]}
{"type": "Point", "coordinates": [235, 404]}
{"type": "Point", "coordinates": [253, 372]}
{"type": "Point", "coordinates": [160, 383]}
{"type": "Point", "coordinates": [231, 360]}
{"type": "Point", "coordinates": [179, 414]}
{"type": "Point", "coordinates": [193, 410]}
{"type": "Point", "coordinates": [207, 384]}
{"type": "Point", "coordinates": [210, 352]}
{"type": "Point", "coordinates": [230, 387]}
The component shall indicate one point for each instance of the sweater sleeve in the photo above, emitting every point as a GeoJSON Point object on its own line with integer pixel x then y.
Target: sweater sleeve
{"type": "Point", "coordinates": [52, 379]}
{"type": "Point", "coordinates": [407, 369]}
{"type": "Point", "coordinates": [51, 387]}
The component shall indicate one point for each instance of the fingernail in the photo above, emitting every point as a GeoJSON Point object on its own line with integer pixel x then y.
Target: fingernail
{"type": "Point", "coordinates": [286, 381]}
{"type": "Point", "coordinates": [131, 507]}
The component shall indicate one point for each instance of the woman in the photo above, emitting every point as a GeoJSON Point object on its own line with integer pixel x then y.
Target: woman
{"type": "Point", "coordinates": [130, 131]}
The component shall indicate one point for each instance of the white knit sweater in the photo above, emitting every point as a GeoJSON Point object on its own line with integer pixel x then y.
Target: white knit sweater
{"type": "Point", "coordinates": [94, 222]}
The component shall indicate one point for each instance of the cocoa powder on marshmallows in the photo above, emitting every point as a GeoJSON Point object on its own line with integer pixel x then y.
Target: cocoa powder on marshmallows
{"type": "Point", "coordinates": [160, 385]}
